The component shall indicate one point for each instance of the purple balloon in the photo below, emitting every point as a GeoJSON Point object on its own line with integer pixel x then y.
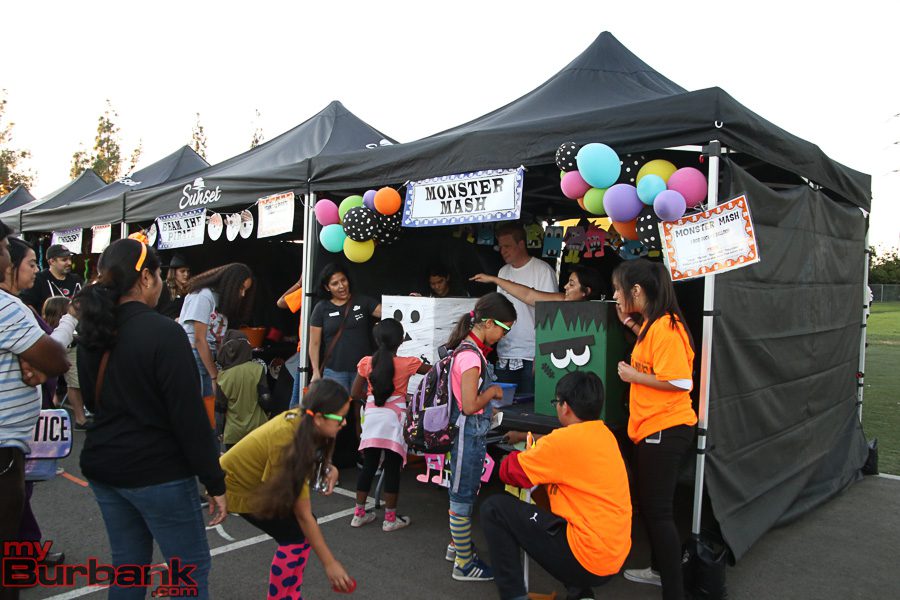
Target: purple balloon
{"type": "Point", "coordinates": [669, 205]}
{"type": "Point", "coordinates": [327, 213]}
{"type": "Point", "coordinates": [573, 185]}
{"type": "Point", "coordinates": [621, 203]}
{"type": "Point", "coordinates": [369, 200]}
{"type": "Point", "coordinates": [690, 183]}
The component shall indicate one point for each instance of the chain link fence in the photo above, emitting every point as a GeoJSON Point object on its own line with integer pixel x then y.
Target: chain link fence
{"type": "Point", "coordinates": [882, 292]}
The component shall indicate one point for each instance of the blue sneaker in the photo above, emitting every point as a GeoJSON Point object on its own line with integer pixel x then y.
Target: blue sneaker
{"type": "Point", "coordinates": [476, 570]}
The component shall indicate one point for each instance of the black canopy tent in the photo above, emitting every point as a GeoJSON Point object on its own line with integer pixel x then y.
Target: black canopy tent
{"type": "Point", "coordinates": [107, 204]}
{"type": "Point", "coordinates": [280, 164]}
{"type": "Point", "coordinates": [79, 187]}
{"type": "Point", "coordinates": [17, 198]}
{"type": "Point", "coordinates": [784, 432]}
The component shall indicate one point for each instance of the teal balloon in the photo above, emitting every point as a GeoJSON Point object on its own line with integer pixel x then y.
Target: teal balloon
{"type": "Point", "coordinates": [332, 237]}
{"type": "Point", "coordinates": [648, 188]}
{"type": "Point", "coordinates": [599, 165]}
{"type": "Point", "coordinates": [348, 203]}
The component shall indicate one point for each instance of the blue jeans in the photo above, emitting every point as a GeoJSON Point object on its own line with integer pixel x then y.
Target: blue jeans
{"type": "Point", "coordinates": [205, 379]}
{"type": "Point", "coordinates": [466, 477]}
{"type": "Point", "coordinates": [168, 513]}
{"type": "Point", "coordinates": [345, 378]}
{"type": "Point", "coordinates": [295, 392]}
{"type": "Point", "coordinates": [523, 378]}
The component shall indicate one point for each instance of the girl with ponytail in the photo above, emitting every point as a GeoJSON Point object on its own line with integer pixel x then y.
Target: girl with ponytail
{"type": "Point", "coordinates": [472, 388]}
{"type": "Point", "coordinates": [661, 421]}
{"type": "Point", "coordinates": [384, 378]}
{"type": "Point", "coordinates": [151, 438]}
{"type": "Point", "coordinates": [268, 476]}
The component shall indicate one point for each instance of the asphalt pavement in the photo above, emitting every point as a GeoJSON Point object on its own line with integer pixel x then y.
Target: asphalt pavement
{"type": "Point", "coordinates": [845, 549]}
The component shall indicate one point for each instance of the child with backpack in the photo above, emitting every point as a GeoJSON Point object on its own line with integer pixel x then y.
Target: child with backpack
{"type": "Point", "coordinates": [471, 390]}
{"type": "Point", "coordinates": [383, 379]}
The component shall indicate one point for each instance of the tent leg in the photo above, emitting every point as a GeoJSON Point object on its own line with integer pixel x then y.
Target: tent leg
{"type": "Point", "coordinates": [123, 230]}
{"type": "Point", "coordinates": [867, 307]}
{"type": "Point", "coordinates": [709, 295]}
{"type": "Point", "coordinates": [309, 246]}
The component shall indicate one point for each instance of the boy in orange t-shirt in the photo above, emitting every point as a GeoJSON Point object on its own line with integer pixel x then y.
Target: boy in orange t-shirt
{"type": "Point", "coordinates": [586, 536]}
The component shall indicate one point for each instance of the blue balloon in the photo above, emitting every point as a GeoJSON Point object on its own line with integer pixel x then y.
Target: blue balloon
{"type": "Point", "coordinates": [332, 237]}
{"type": "Point", "coordinates": [649, 186]}
{"type": "Point", "coordinates": [599, 165]}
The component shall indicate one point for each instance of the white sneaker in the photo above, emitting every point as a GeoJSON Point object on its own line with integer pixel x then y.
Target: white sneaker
{"type": "Point", "coordinates": [363, 520]}
{"type": "Point", "coordinates": [399, 523]}
{"type": "Point", "coordinates": [450, 556]}
{"type": "Point", "coordinates": [647, 575]}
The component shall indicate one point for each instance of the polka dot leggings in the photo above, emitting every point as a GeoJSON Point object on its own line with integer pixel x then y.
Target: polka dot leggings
{"type": "Point", "coordinates": [286, 576]}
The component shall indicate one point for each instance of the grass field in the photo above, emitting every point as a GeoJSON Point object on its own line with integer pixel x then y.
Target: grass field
{"type": "Point", "coordinates": [881, 397]}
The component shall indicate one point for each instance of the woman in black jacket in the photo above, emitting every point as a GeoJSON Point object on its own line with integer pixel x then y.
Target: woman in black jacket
{"type": "Point", "coordinates": [151, 436]}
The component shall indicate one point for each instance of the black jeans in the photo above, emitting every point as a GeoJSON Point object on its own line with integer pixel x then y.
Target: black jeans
{"type": "Point", "coordinates": [391, 465]}
{"type": "Point", "coordinates": [510, 524]}
{"type": "Point", "coordinates": [656, 466]}
{"type": "Point", "coordinates": [12, 503]}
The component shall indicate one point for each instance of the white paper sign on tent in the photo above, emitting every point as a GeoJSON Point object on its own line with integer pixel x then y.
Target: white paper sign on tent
{"type": "Point", "coordinates": [276, 214]}
{"type": "Point", "coordinates": [100, 237]}
{"type": "Point", "coordinates": [70, 238]}
{"type": "Point", "coordinates": [427, 323]}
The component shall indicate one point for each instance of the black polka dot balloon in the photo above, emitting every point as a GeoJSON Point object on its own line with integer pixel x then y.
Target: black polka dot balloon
{"type": "Point", "coordinates": [360, 224]}
{"type": "Point", "coordinates": [565, 156]}
{"type": "Point", "coordinates": [648, 229]}
{"type": "Point", "coordinates": [388, 227]}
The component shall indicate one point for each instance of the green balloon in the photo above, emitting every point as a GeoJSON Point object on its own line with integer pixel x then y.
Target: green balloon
{"type": "Point", "coordinates": [348, 203]}
{"type": "Point", "coordinates": [593, 201]}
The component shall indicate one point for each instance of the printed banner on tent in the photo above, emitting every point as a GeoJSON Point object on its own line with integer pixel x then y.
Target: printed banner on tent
{"type": "Point", "coordinates": [276, 214]}
{"type": "Point", "coordinates": [480, 197]}
{"type": "Point", "coordinates": [70, 238]}
{"type": "Point", "coordinates": [100, 236]}
{"type": "Point", "coordinates": [181, 229]}
{"type": "Point", "coordinates": [711, 242]}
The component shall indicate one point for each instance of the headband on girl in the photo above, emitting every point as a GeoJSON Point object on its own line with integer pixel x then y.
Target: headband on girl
{"type": "Point", "coordinates": [140, 261]}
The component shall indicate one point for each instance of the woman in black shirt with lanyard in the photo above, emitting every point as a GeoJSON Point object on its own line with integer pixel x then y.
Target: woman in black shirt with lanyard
{"type": "Point", "coordinates": [339, 328]}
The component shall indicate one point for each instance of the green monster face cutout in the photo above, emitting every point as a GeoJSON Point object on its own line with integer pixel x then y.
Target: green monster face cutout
{"type": "Point", "coordinates": [578, 336]}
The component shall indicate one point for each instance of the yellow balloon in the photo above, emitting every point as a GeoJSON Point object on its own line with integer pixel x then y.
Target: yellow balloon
{"type": "Point", "coordinates": [660, 167]}
{"type": "Point", "coordinates": [359, 252]}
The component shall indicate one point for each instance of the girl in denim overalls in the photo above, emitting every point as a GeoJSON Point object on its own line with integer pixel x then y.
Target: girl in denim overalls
{"type": "Point", "coordinates": [471, 381]}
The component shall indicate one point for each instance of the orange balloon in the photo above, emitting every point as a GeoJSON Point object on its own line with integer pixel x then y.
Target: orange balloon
{"type": "Point", "coordinates": [581, 203]}
{"type": "Point", "coordinates": [627, 230]}
{"type": "Point", "coordinates": [387, 201]}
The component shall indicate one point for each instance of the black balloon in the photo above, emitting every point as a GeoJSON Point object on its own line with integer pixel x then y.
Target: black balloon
{"type": "Point", "coordinates": [648, 228]}
{"type": "Point", "coordinates": [388, 227]}
{"type": "Point", "coordinates": [565, 156]}
{"type": "Point", "coordinates": [360, 224]}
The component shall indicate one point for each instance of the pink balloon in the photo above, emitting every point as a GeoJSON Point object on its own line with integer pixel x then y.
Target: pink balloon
{"type": "Point", "coordinates": [690, 183]}
{"type": "Point", "coordinates": [573, 185]}
{"type": "Point", "coordinates": [326, 213]}
{"type": "Point", "coordinates": [621, 203]}
{"type": "Point", "coordinates": [669, 205]}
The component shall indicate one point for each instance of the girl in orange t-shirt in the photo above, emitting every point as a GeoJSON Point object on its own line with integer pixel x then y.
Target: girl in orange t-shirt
{"type": "Point", "coordinates": [382, 379]}
{"type": "Point", "coordinates": [661, 422]}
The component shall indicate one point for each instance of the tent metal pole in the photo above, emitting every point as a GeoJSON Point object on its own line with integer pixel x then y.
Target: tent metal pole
{"type": "Point", "coordinates": [309, 247]}
{"type": "Point", "coordinates": [867, 307]}
{"type": "Point", "coordinates": [123, 230]}
{"type": "Point", "coordinates": [709, 296]}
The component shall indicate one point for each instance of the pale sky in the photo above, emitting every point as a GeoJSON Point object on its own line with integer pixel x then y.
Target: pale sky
{"type": "Point", "coordinates": [411, 69]}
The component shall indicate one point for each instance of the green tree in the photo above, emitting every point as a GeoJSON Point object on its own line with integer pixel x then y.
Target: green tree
{"type": "Point", "coordinates": [258, 136]}
{"type": "Point", "coordinates": [106, 158]}
{"type": "Point", "coordinates": [198, 138]}
{"type": "Point", "coordinates": [11, 173]}
{"type": "Point", "coordinates": [136, 156]}
{"type": "Point", "coordinates": [884, 266]}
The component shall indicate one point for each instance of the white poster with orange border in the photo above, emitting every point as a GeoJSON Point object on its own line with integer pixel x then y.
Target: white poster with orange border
{"type": "Point", "coordinates": [711, 242]}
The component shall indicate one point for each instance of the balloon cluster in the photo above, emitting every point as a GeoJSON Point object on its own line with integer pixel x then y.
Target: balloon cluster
{"type": "Point", "coordinates": [359, 222]}
{"type": "Point", "coordinates": [663, 192]}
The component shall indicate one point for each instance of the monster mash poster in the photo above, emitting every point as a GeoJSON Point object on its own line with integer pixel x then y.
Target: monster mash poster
{"type": "Point", "coordinates": [578, 336]}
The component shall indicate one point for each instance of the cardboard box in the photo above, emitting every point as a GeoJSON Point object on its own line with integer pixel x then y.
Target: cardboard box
{"type": "Point", "coordinates": [427, 323]}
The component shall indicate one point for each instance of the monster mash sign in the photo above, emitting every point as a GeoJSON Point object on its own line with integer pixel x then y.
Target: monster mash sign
{"type": "Point", "coordinates": [427, 323]}
{"type": "Point", "coordinates": [578, 336]}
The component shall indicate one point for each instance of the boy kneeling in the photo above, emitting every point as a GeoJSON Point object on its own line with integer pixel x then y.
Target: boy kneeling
{"type": "Point", "coordinates": [586, 536]}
